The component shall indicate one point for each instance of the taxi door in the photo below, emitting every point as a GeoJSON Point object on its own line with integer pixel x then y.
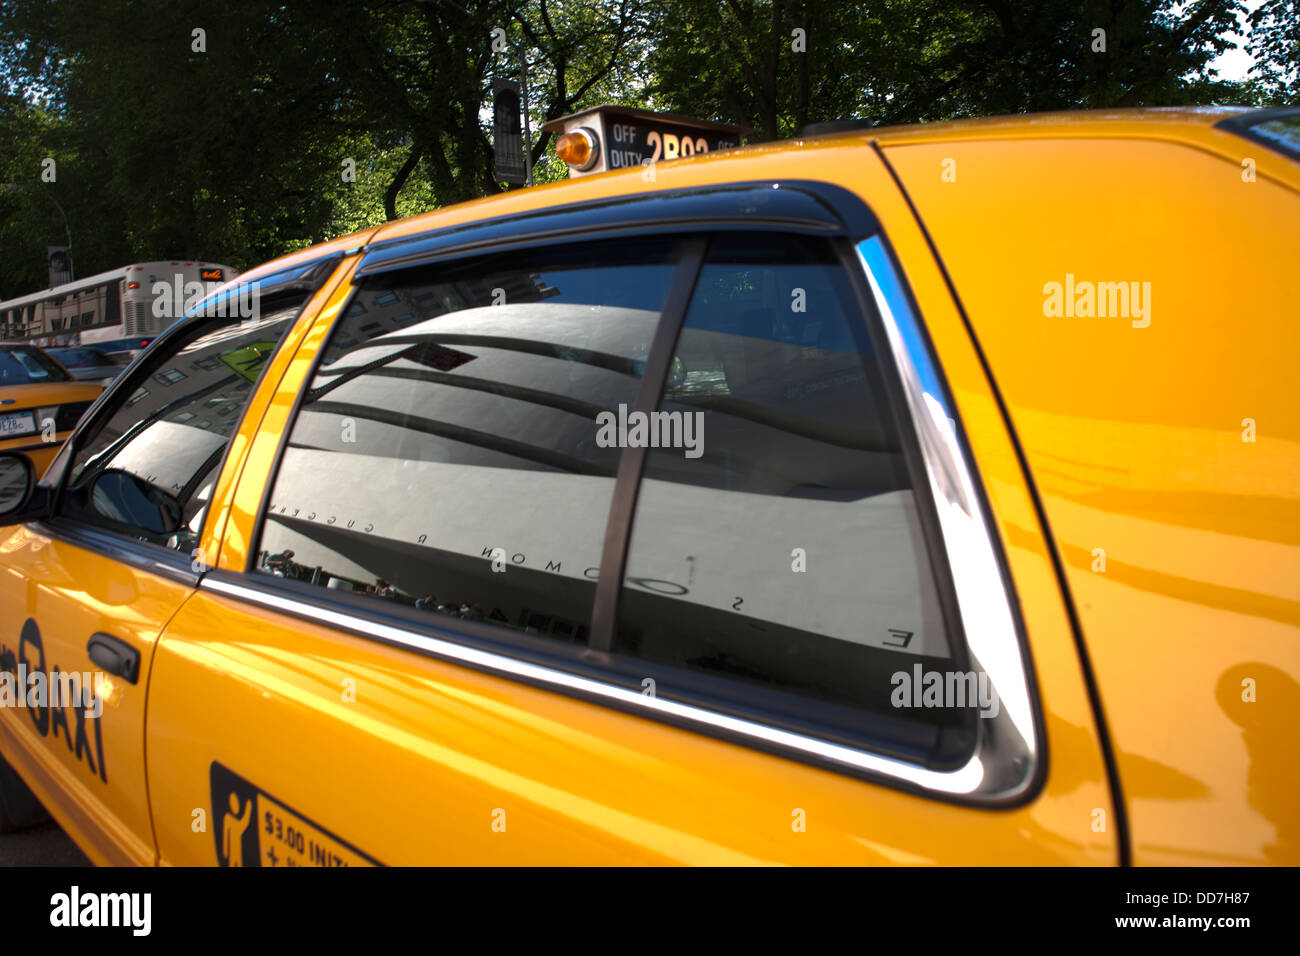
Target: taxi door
{"type": "Point", "coordinates": [81, 614]}
{"type": "Point", "coordinates": [320, 701]}
{"type": "Point", "coordinates": [86, 592]}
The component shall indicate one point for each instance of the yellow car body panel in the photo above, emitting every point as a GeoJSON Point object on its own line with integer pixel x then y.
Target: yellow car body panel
{"type": "Point", "coordinates": [88, 770]}
{"type": "Point", "coordinates": [1166, 449]}
{"type": "Point", "coordinates": [385, 755]}
{"type": "Point", "coordinates": [42, 395]}
{"type": "Point", "coordinates": [417, 761]}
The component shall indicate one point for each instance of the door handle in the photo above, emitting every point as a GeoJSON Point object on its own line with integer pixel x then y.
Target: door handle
{"type": "Point", "coordinates": [114, 656]}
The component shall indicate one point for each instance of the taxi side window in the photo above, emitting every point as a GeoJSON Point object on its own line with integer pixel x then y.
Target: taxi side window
{"type": "Point", "coordinates": [149, 470]}
{"type": "Point", "coordinates": [445, 455]}
{"type": "Point", "coordinates": [776, 551]}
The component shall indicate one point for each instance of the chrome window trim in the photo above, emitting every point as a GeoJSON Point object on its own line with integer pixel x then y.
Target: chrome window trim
{"type": "Point", "coordinates": [965, 781]}
{"type": "Point", "coordinates": [1009, 746]}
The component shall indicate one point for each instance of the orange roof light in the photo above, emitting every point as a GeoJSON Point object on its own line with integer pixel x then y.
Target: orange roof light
{"type": "Point", "coordinates": [579, 148]}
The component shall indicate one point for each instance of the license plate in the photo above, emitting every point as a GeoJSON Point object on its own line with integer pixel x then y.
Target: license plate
{"type": "Point", "coordinates": [18, 423]}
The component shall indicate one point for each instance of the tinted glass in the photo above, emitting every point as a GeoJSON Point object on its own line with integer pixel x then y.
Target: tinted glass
{"type": "Point", "coordinates": [28, 366]}
{"type": "Point", "coordinates": [1282, 133]}
{"type": "Point", "coordinates": [150, 468]}
{"type": "Point", "coordinates": [81, 358]}
{"type": "Point", "coordinates": [777, 547]}
{"type": "Point", "coordinates": [452, 418]}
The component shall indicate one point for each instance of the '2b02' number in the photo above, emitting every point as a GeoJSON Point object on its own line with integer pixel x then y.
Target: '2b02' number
{"type": "Point", "coordinates": [670, 145]}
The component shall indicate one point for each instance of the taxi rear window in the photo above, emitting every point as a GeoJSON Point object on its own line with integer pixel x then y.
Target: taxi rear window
{"type": "Point", "coordinates": [452, 417]}
{"type": "Point", "coordinates": [782, 553]}
{"type": "Point", "coordinates": [81, 357]}
{"type": "Point", "coordinates": [458, 453]}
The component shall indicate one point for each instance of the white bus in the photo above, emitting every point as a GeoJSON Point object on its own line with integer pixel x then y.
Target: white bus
{"type": "Point", "coordinates": [113, 310]}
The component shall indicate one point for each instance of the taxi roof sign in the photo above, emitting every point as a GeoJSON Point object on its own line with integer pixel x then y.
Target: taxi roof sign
{"type": "Point", "coordinates": [616, 137]}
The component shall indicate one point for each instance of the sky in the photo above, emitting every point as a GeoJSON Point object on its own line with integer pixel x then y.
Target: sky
{"type": "Point", "coordinates": [1235, 64]}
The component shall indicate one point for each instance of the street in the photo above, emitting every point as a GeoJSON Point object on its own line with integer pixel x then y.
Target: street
{"type": "Point", "coordinates": [43, 845]}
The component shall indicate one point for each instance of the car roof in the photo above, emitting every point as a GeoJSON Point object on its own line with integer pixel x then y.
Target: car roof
{"type": "Point", "coordinates": [1190, 124]}
{"type": "Point", "coordinates": [1194, 124]}
{"type": "Point", "coordinates": [1157, 122]}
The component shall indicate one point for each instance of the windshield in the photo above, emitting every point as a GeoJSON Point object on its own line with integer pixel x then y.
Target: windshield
{"type": "Point", "coordinates": [29, 366]}
{"type": "Point", "coordinates": [80, 358]}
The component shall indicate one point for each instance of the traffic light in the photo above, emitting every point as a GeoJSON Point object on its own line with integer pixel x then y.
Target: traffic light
{"type": "Point", "coordinates": [507, 133]}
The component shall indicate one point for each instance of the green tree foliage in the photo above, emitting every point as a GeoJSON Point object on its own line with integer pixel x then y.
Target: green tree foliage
{"type": "Point", "coordinates": [1275, 44]}
{"type": "Point", "coordinates": [281, 125]}
{"type": "Point", "coordinates": [222, 146]}
{"type": "Point", "coordinates": [900, 61]}
{"type": "Point", "coordinates": [28, 221]}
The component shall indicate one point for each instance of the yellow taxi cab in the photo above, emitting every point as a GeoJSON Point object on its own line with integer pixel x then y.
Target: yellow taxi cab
{"type": "Point", "coordinates": [926, 495]}
{"type": "Point", "coordinates": [40, 403]}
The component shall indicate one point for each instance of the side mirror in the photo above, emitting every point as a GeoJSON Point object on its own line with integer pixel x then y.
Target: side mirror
{"type": "Point", "coordinates": [21, 498]}
{"type": "Point", "coordinates": [128, 498]}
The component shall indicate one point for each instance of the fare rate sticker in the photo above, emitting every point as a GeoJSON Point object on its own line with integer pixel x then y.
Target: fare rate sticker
{"type": "Point", "coordinates": [289, 840]}
{"type": "Point", "coordinates": [630, 142]}
{"type": "Point", "coordinates": [252, 828]}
